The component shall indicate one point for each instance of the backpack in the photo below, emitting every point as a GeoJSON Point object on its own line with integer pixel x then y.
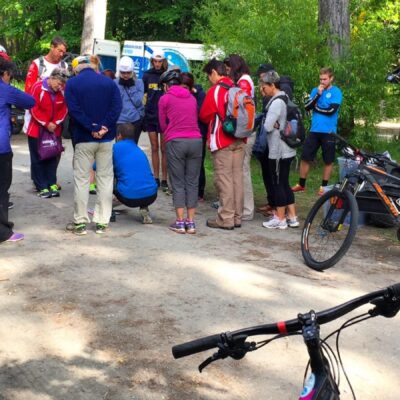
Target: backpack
{"type": "Point", "coordinates": [240, 113]}
{"type": "Point", "coordinates": [293, 133]}
{"type": "Point", "coordinates": [42, 66]}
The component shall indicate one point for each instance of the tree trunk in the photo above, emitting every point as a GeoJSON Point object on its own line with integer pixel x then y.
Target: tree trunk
{"type": "Point", "coordinates": [94, 24]}
{"type": "Point", "coordinates": [334, 17]}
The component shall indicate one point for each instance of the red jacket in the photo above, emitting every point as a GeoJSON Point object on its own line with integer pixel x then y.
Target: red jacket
{"type": "Point", "coordinates": [215, 103]}
{"type": "Point", "coordinates": [46, 107]}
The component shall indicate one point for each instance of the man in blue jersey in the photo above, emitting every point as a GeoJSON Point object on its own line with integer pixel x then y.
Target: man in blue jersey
{"type": "Point", "coordinates": [324, 103]}
{"type": "Point", "coordinates": [135, 185]}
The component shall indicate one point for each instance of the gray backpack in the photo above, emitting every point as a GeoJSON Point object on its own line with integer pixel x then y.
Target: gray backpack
{"type": "Point", "coordinates": [240, 113]}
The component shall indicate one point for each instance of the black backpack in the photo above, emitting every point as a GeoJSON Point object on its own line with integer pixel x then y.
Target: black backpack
{"type": "Point", "coordinates": [293, 133]}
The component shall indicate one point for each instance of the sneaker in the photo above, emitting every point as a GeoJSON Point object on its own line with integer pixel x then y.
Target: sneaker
{"type": "Point", "coordinates": [178, 227]}
{"type": "Point", "coordinates": [93, 188]}
{"type": "Point", "coordinates": [190, 227]}
{"type": "Point", "coordinates": [275, 223]}
{"type": "Point", "coordinates": [164, 186]}
{"type": "Point", "coordinates": [54, 191]}
{"type": "Point", "coordinates": [298, 188]}
{"type": "Point", "coordinates": [15, 237]}
{"type": "Point", "coordinates": [321, 190]}
{"type": "Point", "coordinates": [212, 223]}
{"type": "Point", "coordinates": [44, 194]}
{"type": "Point", "coordinates": [10, 205]}
{"type": "Point", "coordinates": [79, 229]}
{"type": "Point", "coordinates": [101, 228]}
{"type": "Point", "coordinates": [293, 222]}
{"type": "Point", "coordinates": [215, 204]}
{"type": "Point", "coordinates": [146, 219]}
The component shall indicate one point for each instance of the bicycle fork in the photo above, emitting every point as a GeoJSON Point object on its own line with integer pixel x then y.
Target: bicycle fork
{"type": "Point", "coordinates": [320, 384]}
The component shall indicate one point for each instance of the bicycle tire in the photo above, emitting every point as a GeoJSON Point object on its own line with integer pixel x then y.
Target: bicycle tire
{"type": "Point", "coordinates": [316, 255]}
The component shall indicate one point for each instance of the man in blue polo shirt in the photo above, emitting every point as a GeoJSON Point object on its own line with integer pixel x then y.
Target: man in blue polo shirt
{"type": "Point", "coordinates": [135, 184]}
{"type": "Point", "coordinates": [324, 103]}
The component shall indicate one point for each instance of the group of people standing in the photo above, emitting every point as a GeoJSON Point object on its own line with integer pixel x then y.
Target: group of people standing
{"type": "Point", "coordinates": [179, 118]}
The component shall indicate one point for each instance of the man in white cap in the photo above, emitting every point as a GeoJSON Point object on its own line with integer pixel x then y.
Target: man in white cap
{"type": "Point", "coordinates": [153, 92]}
{"type": "Point", "coordinates": [132, 91]}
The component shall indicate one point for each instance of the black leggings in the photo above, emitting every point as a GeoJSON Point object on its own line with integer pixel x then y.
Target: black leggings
{"type": "Point", "coordinates": [282, 194]}
{"type": "Point", "coordinates": [133, 203]}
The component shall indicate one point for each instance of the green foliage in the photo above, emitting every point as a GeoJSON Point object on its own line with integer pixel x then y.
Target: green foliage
{"type": "Point", "coordinates": [285, 33]}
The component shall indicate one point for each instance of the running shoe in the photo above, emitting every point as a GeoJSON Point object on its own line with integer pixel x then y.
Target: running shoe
{"type": "Point", "coordinates": [93, 188]}
{"type": "Point", "coordinates": [178, 227]}
{"type": "Point", "coordinates": [293, 222]}
{"type": "Point", "coordinates": [146, 219]}
{"type": "Point", "coordinates": [164, 186]}
{"type": "Point", "coordinates": [190, 227]}
{"type": "Point", "coordinates": [275, 223]}
{"type": "Point", "coordinates": [54, 191]}
{"type": "Point", "coordinates": [78, 229]}
{"type": "Point", "coordinates": [10, 205]}
{"type": "Point", "coordinates": [298, 188]}
{"type": "Point", "coordinates": [15, 237]}
{"type": "Point", "coordinates": [44, 194]}
{"type": "Point", "coordinates": [101, 228]}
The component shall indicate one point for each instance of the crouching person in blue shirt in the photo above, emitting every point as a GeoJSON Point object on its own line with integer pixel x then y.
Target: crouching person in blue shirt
{"type": "Point", "coordinates": [135, 183]}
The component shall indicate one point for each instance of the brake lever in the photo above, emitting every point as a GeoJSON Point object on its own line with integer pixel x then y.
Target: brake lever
{"type": "Point", "coordinates": [237, 352]}
{"type": "Point", "coordinates": [387, 305]}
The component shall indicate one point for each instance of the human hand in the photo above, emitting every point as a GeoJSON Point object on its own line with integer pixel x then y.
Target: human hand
{"type": "Point", "coordinates": [51, 127]}
{"type": "Point", "coordinates": [321, 88]}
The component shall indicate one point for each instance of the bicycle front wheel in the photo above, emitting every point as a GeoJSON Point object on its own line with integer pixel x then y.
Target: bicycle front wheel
{"type": "Point", "coordinates": [329, 229]}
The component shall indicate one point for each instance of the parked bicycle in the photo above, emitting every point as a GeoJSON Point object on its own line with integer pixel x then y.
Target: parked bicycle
{"type": "Point", "coordinates": [331, 225]}
{"type": "Point", "coordinates": [324, 378]}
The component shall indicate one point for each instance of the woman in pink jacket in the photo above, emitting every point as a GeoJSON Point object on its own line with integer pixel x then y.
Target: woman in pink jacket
{"type": "Point", "coordinates": [177, 111]}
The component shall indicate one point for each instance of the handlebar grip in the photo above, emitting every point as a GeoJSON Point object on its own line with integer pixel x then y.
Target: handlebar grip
{"type": "Point", "coordinates": [196, 346]}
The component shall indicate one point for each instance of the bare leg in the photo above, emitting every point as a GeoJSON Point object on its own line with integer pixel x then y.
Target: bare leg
{"type": "Point", "coordinates": [155, 157]}
{"type": "Point", "coordinates": [163, 161]}
{"type": "Point", "coordinates": [291, 211]}
{"type": "Point", "coordinates": [280, 212]}
{"type": "Point", "coordinates": [191, 213]}
{"type": "Point", "coordinates": [179, 213]}
{"type": "Point", "coordinates": [327, 171]}
{"type": "Point", "coordinates": [304, 169]}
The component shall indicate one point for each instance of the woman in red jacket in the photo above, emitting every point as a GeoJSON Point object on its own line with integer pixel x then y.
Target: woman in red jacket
{"type": "Point", "coordinates": [48, 113]}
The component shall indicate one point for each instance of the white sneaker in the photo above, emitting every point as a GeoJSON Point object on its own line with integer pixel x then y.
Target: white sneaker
{"type": "Point", "coordinates": [275, 223]}
{"type": "Point", "coordinates": [293, 222]}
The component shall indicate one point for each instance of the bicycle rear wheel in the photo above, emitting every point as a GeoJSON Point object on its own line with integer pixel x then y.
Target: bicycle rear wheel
{"type": "Point", "coordinates": [329, 229]}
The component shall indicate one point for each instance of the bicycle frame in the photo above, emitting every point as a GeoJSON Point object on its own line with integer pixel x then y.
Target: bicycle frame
{"type": "Point", "coordinates": [364, 173]}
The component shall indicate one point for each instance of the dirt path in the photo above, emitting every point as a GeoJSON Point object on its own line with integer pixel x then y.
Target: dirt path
{"type": "Point", "coordinates": [95, 317]}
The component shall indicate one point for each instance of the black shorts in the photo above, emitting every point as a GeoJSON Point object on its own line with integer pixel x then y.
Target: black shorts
{"type": "Point", "coordinates": [133, 203]}
{"type": "Point", "coordinates": [316, 140]}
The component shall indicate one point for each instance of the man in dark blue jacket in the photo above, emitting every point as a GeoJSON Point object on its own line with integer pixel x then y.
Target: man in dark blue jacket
{"type": "Point", "coordinates": [9, 96]}
{"type": "Point", "coordinates": [94, 103]}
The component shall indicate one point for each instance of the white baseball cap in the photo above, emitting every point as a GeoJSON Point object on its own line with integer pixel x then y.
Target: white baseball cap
{"type": "Point", "coordinates": [158, 55]}
{"type": "Point", "coordinates": [125, 64]}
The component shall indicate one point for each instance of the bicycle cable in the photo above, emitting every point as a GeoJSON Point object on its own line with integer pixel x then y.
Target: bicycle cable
{"type": "Point", "coordinates": [265, 342]}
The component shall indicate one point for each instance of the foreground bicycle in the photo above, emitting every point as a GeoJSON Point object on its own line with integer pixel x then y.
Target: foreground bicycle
{"type": "Point", "coordinates": [330, 227]}
{"type": "Point", "coordinates": [324, 378]}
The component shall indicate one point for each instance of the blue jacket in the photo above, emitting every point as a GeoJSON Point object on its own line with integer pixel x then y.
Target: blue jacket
{"type": "Point", "coordinates": [9, 95]}
{"type": "Point", "coordinates": [132, 102]}
{"type": "Point", "coordinates": [132, 171]}
{"type": "Point", "coordinates": [93, 101]}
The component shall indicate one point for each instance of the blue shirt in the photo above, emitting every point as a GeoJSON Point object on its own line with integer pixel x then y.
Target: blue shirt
{"type": "Point", "coordinates": [132, 171]}
{"type": "Point", "coordinates": [132, 102]}
{"type": "Point", "coordinates": [326, 123]}
{"type": "Point", "coordinates": [9, 95]}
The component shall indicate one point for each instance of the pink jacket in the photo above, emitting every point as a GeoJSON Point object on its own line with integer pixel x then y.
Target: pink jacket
{"type": "Point", "coordinates": [177, 113]}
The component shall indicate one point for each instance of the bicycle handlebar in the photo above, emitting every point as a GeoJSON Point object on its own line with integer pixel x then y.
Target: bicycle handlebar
{"type": "Point", "coordinates": [386, 301]}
